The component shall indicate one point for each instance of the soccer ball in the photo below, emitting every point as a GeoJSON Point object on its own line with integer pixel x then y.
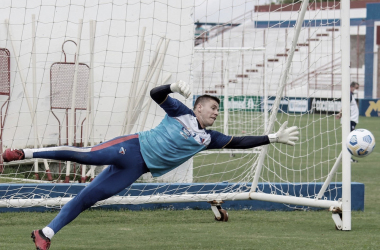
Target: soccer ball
{"type": "Point", "coordinates": [360, 142]}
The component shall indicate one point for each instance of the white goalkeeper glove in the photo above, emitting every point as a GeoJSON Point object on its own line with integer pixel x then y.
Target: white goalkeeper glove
{"type": "Point", "coordinates": [285, 135]}
{"type": "Point", "coordinates": [181, 87]}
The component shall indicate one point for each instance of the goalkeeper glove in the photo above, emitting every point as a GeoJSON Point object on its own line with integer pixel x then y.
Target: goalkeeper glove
{"type": "Point", "coordinates": [285, 135]}
{"type": "Point", "coordinates": [181, 87]}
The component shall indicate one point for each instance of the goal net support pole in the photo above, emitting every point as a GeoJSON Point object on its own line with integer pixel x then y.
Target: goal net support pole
{"type": "Point", "coordinates": [225, 101]}
{"type": "Point", "coordinates": [135, 82]}
{"type": "Point", "coordinates": [126, 200]}
{"type": "Point", "coordinates": [34, 92]}
{"type": "Point", "coordinates": [90, 100]}
{"type": "Point", "coordinates": [73, 98]}
{"type": "Point", "coordinates": [279, 94]}
{"type": "Point", "coordinates": [330, 176]}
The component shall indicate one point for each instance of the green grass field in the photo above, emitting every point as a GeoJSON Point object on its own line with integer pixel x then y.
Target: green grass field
{"type": "Point", "coordinates": [196, 229]}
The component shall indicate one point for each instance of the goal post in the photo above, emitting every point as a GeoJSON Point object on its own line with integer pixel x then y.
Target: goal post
{"type": "Point", "coordinates": [346, 158]}
{"type": "Point", "coordinates": [269, 64]}
{"type": "Point", "coordinates": [280, 91]}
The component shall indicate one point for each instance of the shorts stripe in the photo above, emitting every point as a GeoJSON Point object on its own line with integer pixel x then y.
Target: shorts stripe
{"type": "Point", "coordinates": [114, 142]}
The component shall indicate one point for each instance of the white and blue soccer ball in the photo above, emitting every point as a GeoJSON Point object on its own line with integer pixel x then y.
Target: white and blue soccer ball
{"type": "Point", "coordinates": [360, 142]}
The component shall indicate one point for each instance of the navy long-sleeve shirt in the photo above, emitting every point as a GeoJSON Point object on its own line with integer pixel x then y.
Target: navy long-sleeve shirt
{"type": "Point", "coordinates": [160, 94]}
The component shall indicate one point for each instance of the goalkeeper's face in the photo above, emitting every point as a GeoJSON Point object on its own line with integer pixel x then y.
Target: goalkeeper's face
{"type": "Point", "coordinates": [207, 112]}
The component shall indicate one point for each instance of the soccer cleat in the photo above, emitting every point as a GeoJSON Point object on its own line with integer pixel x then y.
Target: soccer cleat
{"type": "Point", "coordinates": [40, 240]}
{"type": "Point", "coordinates": [354, 161]}
{"type": "Point", "coordinates": [13, 155]}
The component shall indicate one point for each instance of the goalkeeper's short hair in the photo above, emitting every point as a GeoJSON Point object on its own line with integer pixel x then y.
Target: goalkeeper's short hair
{"type": "Point", "coordinates": [203, 98]}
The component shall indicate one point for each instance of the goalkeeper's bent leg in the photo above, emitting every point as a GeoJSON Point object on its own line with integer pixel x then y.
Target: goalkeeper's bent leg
{"type": "Point", "coordinates": [109, 182]}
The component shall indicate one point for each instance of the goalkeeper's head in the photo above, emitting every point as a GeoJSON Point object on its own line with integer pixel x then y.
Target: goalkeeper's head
{"type": "Point", "coordinates": [206, 109]}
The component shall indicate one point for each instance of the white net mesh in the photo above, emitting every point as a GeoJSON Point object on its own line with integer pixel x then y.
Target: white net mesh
{"type": "Point", "coordinates": [134, 46]}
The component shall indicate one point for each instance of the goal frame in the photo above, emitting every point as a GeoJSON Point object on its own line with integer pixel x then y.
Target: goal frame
{"type": "Point", "coordinates": [336, 206]}
{"type": "Point", "coordinates": [346, 158]}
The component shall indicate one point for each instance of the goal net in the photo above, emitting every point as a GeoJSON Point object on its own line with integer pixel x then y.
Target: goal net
{"type": "Point", "coordinates": [267, 63]}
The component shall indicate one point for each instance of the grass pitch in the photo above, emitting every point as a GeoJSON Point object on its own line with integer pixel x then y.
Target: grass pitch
{"type": "Point", "coordinates": [196, 229]}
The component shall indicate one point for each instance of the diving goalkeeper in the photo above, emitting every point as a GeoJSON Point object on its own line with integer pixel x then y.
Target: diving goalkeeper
{"type": "Point", "coordinates": [181, 134]}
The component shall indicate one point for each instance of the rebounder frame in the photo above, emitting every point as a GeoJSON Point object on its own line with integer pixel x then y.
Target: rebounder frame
{"type": "Point", "coordinates": [5, 90]}
{"type": "Point", "coordinates": [61, 92]}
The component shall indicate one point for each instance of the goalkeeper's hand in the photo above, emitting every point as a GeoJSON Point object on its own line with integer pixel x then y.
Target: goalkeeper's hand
{"type": "Point", "coordinates": [181, 87]}
{"type": "Point", "coordinates": [285, 135]}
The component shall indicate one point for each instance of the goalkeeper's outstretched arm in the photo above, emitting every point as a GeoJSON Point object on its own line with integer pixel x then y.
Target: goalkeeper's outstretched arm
{"type": "Point", "coordinates": [284, 135]}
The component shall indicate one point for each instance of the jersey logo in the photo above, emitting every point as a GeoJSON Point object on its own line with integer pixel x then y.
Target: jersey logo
{"type": "Point", "coordinates": [122, 151]}
{"type": "Point", "coordinates": [185, 133]}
